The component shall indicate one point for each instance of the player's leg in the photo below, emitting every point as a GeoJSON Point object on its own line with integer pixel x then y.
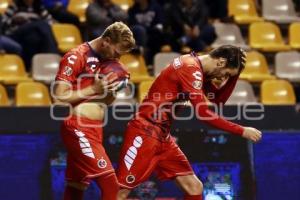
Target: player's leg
{"type": "Point", "coordinates": [74, 191]}
{"type": "Point", "coordinates": [109, 186]}
{"type": "Point", "coordinates": [105, 177]}
{"type": "Point", "coordinates": [191, 186]}
{"type": "Point", "coordinates": [86, 158]}
{"type": "Point", "coordinates": [137, 160]}
{"type": "Point", "coordinates": [175, 166]}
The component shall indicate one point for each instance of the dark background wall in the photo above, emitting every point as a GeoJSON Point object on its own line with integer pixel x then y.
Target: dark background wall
{"type": "Point", "coordinates": [30, 146]}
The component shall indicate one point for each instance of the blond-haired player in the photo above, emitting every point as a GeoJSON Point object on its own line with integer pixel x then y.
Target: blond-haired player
{"type": "Point", "coordinates": [77, 82]}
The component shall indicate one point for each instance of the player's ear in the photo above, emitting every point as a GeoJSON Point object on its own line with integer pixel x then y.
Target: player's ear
{"type": "Point", "coordinates": [106, 41]}
{"type": "Point", "coordinates": [221, 62]}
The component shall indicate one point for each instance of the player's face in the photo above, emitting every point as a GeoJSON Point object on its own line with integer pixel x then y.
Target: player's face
{"type": "Point", "coordinates": [115, 51]}
{"type": "Point", "coordinates": [223, 73]}
{"type": "Point", "coordinates": [112, 51]}
{"type": "Point", "coordinates": [227, 73]}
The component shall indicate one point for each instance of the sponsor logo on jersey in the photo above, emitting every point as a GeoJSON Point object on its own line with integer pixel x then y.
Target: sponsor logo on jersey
{"type": "Point", "coordinates": [92, 59]}
{"type": "Point", "coordinates": [84, 144]}
{"type": "Point", "coordinates": [130, 179]}
{"type": "Point", "coordinates": [72, 59]}
{"type": "Point", "coordinates": [197, 85]}
{"type": "Point", "coordinates": [68, 71]}
{"type": "Point", "coordinates": [132, 152]}
{"type": "Point", "coordinates": [176, 63]}
{"type": "Point", "coordinates": [102, 163]}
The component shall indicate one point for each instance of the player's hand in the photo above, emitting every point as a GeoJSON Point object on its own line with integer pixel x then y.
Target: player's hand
{"type": "Point", "coordinates": [252, 134]}
{"type": "Point", "coordinates": [105, 83]}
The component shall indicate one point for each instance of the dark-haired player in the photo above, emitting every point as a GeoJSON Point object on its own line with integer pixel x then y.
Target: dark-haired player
{"type": "Point", "coordinates": [77, 82]}
{"type": "Point", "coordinates": [148, 146]}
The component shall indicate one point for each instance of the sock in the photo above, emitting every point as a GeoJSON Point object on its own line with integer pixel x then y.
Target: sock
{"type": "Point", "coordinates": [193, 197]}
{"type": "Point", "coordinates": [72, 193]}
{"type": "Point", "coordinates": [109, 186]}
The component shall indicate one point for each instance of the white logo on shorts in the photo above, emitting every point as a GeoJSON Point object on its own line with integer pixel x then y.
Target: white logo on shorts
{"type": "Point", "coordinates": [102, 163]}
{"type": "Point", "coordinates": [84, 144]}
{"type": "Point", "coordinates": [132, 151]}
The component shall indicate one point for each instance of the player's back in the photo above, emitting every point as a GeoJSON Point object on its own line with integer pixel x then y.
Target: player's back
{"type": "Point", "coordinates": [166, 96]}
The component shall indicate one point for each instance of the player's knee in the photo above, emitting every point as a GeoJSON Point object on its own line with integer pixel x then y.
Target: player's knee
{"type": "Point", "coordinates": [122, 194]}
{"type": "Point", "coordinates": [195, 187]}
{"type": "Point", "coordinates": [77, 185]}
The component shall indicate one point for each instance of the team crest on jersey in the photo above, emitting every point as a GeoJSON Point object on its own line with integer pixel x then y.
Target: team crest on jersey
{"type": "Point", "coordinates": [130, 179]}
{"type": "Point", "coordinates": [68, 71]}
{"type": "Point", "coordinates": [197, 85]}
{"type": "Point", "coordinates": [102, 163]}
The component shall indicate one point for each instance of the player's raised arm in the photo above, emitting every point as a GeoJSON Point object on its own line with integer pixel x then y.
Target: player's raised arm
{"type": "Point", "coordinates": [191, 78]}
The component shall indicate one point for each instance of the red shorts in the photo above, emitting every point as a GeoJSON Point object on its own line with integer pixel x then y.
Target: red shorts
{"type": "Point", "coordinates": [142, 154]}
{"type": "Point", "coordinates": [86, 157]}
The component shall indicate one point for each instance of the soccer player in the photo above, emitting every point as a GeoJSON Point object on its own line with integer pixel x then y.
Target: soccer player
{"type": "Point", "coordinates": [148, 146]}
{"type": "Point", "coordinates": [77, 82]}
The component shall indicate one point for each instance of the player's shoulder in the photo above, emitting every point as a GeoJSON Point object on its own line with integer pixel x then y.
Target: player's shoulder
{"type": "Point", "coordinates": [184, 61]}
{"type": "Point", "coordinates": [78, 52]}
{"type": "Point", "coordinates": [188, 60]}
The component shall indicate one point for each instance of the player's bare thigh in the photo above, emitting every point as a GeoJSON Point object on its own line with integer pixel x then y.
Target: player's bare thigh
{"type": "Point", "coordinates": [190, 184]}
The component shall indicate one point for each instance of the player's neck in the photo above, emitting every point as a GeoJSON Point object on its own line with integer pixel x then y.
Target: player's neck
{"type": "Point", "coordinates": [207, 63]}
{"type": "Point", "coordinates": [96, 44]}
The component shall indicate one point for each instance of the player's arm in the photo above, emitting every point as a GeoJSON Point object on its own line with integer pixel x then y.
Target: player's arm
{"type": "Point", "coordinates": [70, 68]}
{"type": "Point", "coordinates": [191, 82]}
{"type": "Point", "coordinates": [217, 121]}
{"type": "Point", "coordinates": [220, 91]}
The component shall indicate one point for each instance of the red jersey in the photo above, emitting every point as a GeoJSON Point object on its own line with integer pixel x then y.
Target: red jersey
{"type": "Point", "coordinates": [182, 80]}
{"type": "Point", "coordinates": [79, 67]}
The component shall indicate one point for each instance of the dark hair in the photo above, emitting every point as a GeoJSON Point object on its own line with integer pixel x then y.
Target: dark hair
{"type": "Point", "coordinates": [235, 56]}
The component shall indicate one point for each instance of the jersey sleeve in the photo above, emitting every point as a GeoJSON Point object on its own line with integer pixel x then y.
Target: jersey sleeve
{"type": "Point", "coordinates": [191, 81]}
{"type": "Point", "coordinates": [221, 95]}
{"type": "Point", "coordinates": [71, 65]}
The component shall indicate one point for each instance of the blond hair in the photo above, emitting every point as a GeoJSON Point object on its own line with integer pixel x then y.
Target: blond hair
{"type": "Point", "coordinates": [119, 32]}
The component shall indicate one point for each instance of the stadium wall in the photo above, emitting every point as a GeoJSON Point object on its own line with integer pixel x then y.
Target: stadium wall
{"type": "Point", "coordinates": [30, 146]}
